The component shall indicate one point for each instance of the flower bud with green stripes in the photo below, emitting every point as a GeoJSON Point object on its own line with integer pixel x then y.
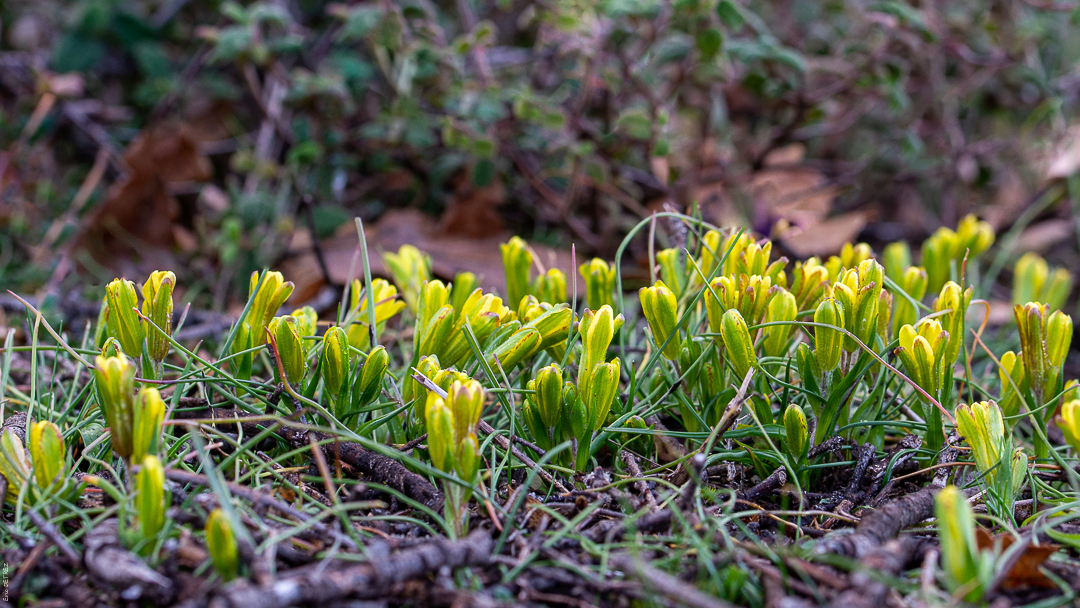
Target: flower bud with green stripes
{"type": "Point", "coordinates": [1045, 338]}
{"type": "Point", "coordinates": [452, 444]}
{"type": "Point", "coordinates": [965, 567]}
{"type": "Point", "coordinates": [387, 305]}
{"type": "Point", "coordinates": [739, 345]}
{"type": "Point", "coordinates": [750, 258]}
{"type": "Point", "coordinates": [158, 307]}
{"type": "Point", "coordinates": [808, 282]}
{"type": "Point", "coordinates": [1033, 281]}
{"type": "Point", "coordinates": [483, 313]}
{"type": "Point", "coordinates": [1014, 384]}
{"type": "Point", "coordinates": [708, 256]}
{"type": "Point", "coordinates": [913, 282]}
{"type": "Point", "coordinates": [265, 302]}
{"type": "Point", "coordinates": [47, 453]}
{"type": "Point", "coordinates": [517, 262]}
{"type": "Point", "coordinates": [14, 466]}
{"type": "Point", "coordinates": [922, 353]}
{"type": "Point", "coordinates": [114, 379]}
{"type": "Point", "coordinates": [291, 347]}
{"type": "Point", "coordinates": [149, 413]}
{"type": "Point", "coordinates": [1069, 423]}
{"type": "Point", "coordinates": [603, 386]}
{"type": "Point", "coordinates": [550, 287]}
{"type": "Point", "coordinates": [858, 291]}
{"type": "Point", "coordinates": [782, 309]}
{"type": "Point", "coordinates": [123, 322]}
{"type": "Point", "coordinates": [896, 259]}
{"type": "Point", "coordinates": [750, 295]}
{"type": "Point", "coordinates": [553, 323]}
{"type": "Point", "coordinates": [828, 341]}
{"type": "Point", "coordinates": [336, 364]}
{"type": "Point", "coordinates": [307, 321]}
{"type": "Point", "coordinates": [465, 283]}
{"type": "Point", "coordinates": [662, 313]}
{"type": "Point", "coordinates": [945, 250]}
{"type": "Point", "coordinates": [221, 545]}
{"type": "Point", "coordinates": [545, 405]}
{"type": "Point", "coordinates": [599, 283]}
{"type": "Point", "coordinates": [1002, 471]}
{"type": "Point", "coordinates": [367, 385]}
{"type": "Point", "coordinates": [435, 319]}
{"type": "Point", "coordinates": [410, 269]}
{"type": "Point", "coordinates": [673, 270]}
{"type": "Point", "coordinates": [150, 500]}
{"type": "Point", "coordinates": [428, 366]}
{"type": "Point", "coordinates": [597, 328]}
{"type": "Point", "coordinates": [953, 302]}
{"type": "Point", "coordinates": [796, 432]}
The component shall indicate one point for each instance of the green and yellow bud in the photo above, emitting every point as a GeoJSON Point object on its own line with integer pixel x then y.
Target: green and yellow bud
{"type": "Point", "coordinates": [808, 282]}
{"type": "Point", "coordinates": [290, 347]}
{"type": "Point", "coordinates": [599, 283]}
{"type": "Point", "coordinates": [982, 426]}
{"type": "Point", "coordinates": [922, 353]}
{"type": "Point", "coordinates": [149, 415]}
{"type": "Point", "coordinates": [828, 341]}
{"type": "Point", "coordinates": [14, 464]}
{"type": "Point", "coordinates": [123, 322]}
{"type": "Point", "coordinates": [1013, 383]}
{"type": "Point", "coordinates": [1069, 423]}
{"type": "Point", "coordinates": [158, 307]}
{"type": "Point", "coordinates": [410, 269]}
{"type": "Point", "coordinates": [550, 287]}
{"type": "Point", "coordinates": [959, 547]}
{"type": "Point", "coordinates": [548, 397]}
{"type": "Point", "coordinates": [368, 383]}
{"type": "Point", "coordinates": [661, 310]}
{"type": "Point", "coordinates": [1029, 276]}
{"type": "Point", "coordinates": [47, 453]}
{"type": "Point", "coordinates": [738, 343]}
{"type": "Point", "coordinates": [221, 544]}
{"type": "Point", "coordinates": [782, 308]}
{"type": "Point", "coordinates": [150, 497]}
{"type": "Point", "coordinates": [896, 259]}
{"type": "Point", "coordinates": [114, 378]}
{"type": "Point", "coordinates": [336, 362]}
{"type": "Point", "coordinates": [465, 283]}
{"type": "Point", "coordinates": [604, 385]}
{"type": "Point", "coordinates": [673, 270]}
{"type": "Point", "coordinates": [1059, 331]}
{"type": "Point", "coordinates": [597, 328]}
{"type": "Point", "coordinates": [553, 324]}
{"type": "Point", "coordinates": [387, 305]}
{"type": "Point", "coordinates": [520, 345]}
{"type": "Point", "coordinates": [953, 301]}
{"type": "Point", "coordinates": [265, 302]}
{"type": "Point", "coordinates": [517, 262]}
{"type": "Point", "coordinates": [913, 282]}
{"type": "Point", "coordinates": [796, 431]}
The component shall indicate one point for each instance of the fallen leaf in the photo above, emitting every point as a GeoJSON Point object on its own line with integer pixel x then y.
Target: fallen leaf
{"type": "Point", "coordinates": [1025, 568]}
{"type": "Point", "coordinates": [473, 210]}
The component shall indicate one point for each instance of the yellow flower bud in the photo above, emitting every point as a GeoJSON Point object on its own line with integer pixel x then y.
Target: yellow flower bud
{"type": "Point", "coordinates": [599, 283]}
{"type": "Point", "coordinates": [672, 270]}
{"type": "Point", "coordinates": [387, 305]}
{"type": "Point", "coordinates": [661, 311]}
{"type": "Point", "coordinates": [517, 262]}
{"type": "Point", "coordinates": [1012, 377]}
{"type": "Point", "coordinates": [123, 323]}
{"type": "Point", "coordinates": [149, 414]}
{"type": "Point", "coordinates": [782, 308]}
{"type": "Point", "coordinates": [604, 386]}
{"type": "Point", "coordinates": [828, 342]}
{"type": "Point", "coordinates": [550, 287]}
{"type": "Point", "coordinates": [738, 343]}
{"type": "Point", "coordinates": [150, 497]}
{"type": "Point", "coordinates": [221, 544]}
{"type": "Point", "coordinates": [548, 387]}
{"type": "Point", "coordinates": [410, 269]}
{"type": "Point", "coordinates": [896, 259]}
{"type": "Point", "coordinates": [368, 383]}
{"type": "Point", "coordinates": [1059, 330]}
{"type": "Point", "coordinates": [1069, 423]}
{"type": "Point", "coordinates": [14, 464]}
{"type": "Point", "coordinates": [796, 431]}
{"type": "Point", "coordinates": [47, 452]}
{"type": "Point", "coordinates": [336, 362]}
{"type": "Point", "coordinates": [959, 548]}
{"type": "Point", "coordinates": [114, 378]}
{"type": "Point", "coordinates": [290, 346]}
{"type": "Point", "coordinates": [158, 307]}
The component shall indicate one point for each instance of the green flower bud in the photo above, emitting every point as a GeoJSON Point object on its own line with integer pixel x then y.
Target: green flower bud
{"type": "Point", "coordinates": [368, 383]}
{"type": "Point", "coordinates": [738, 343]}
{"type": "Point", "coordinates": [150, 497]}
{"type": "Point", "coordinates": [290, 346]}
{"type": "Point", "coordinates": [440, 430]}
{"type": "Point", "coordinates": [808, 283]}
{"type": "Point", "coordinates": [884, 307]}
{"type": "Point", "coordinates": [1031, 321]}
{"type": "Point", "coordinates": [959, 548]}
{"type": "Point", "coordinates": [981, 425]}
{"type": "Point", "coordinates": [637, 442]}
{"type": "Point", "coordinates": [896, 259]}
{"type": "Point", "coordinates": [410, 269]}
{"type": "Point", "coordinates": [1012, 377]}
{"type": "Point", "coordinates": [913, 282]}
{"type": "Point", "coordinates": [1018, 469]}
{"type": "Point", "coordinates": [1056, 291]}
{"type": "Point", "coordinates": [483, 313]}
{"type": "Point", "coordinates": [973, 237]}
{"type": "Point", "coordinates": [413, 391]}
{"type": "Point", "coordinates": [541, 432]}
{"type": "Point", "coordinates": [336, 362]}
{"type": "Point", "coordinates": [553, 325]}
{"type": "Point", "coordinates": [922, 352]}
{"type": "Point", "coordinates": [517, 262]}
{"type": "Point", "coordinates": [796, 431]}
{"type": "Point", "coordinates": [1029, 276]}
{"type": "Point", "coordinates": [434, 336]}
{"type": "Point", "coordinates": [387, 305]}
{"type": "Point", "coordinates": [599, 283]}
{"type": "Point", "coordinates": [467, 463]}
{"type": "Point", "coordinates": [550, 287]}
{"type": "Point", "coordinates": [548, 387]}
{"type": "Point", "coordinates": [709, 255]}
{"type": "Point", "coordinates": [604, 386]}
{"type": "Point", "coordinates": [661, 310]}
{"type": "Point", "coordinates": [521, 345]}
{"type": "Point", "coordinates": [465, 398]}
{"type": "Point", "coordinates": [114, 378]}
{"type": "Point", "coordinates": [265, 302]}
{"type": "Point", "coordinates": [47, 452]}
{"type": "Point", "coordinates": [954, 300]}
{"type": "Point", "coordinates": [596, 329]}
{"type": "Point", "coordinates": [14, 464]}
{"type": "Point", "coordinates": [673, 270]}
{"type": "Point", "coordinates": [1059, 330]}
{"type": "Point", "coordinates": [158, 307]}
{"type": "Point", "coordinates": [307, 321]}
{"type": "Point", "coordinates": [1069, 423]}
{"type": "Point", "coordinates": [579, 420]}
{"type": "Point", "coordinates": [782, 308]}
{"type": "Point", "coordinates": [149, 414]}
{"type": "Point", "coordinates": [124, 324]}
{"type": "Point", "coordinates": [829, 342]}
{"type": "Point", "coordinates": [221, 544]}
{"type": "Point", "coordinates": [465, 283]}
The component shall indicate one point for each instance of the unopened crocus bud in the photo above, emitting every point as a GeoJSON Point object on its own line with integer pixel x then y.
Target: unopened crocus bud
{"type": "Point", "coordinates": [829, 342]}
{"type": "Point", "coordinates": [336, 362]}
{"type": "Point", "coordinates": [158, 307]}
{"type": "Point", "coordinates": [896, 258]}
{"type": "Point", "coordinates": [387, 305]}
{"type": "Point", "coordinates": [47, 453]}
{"type": "Point", "coordinates": [1029, 276]}
{"type": "Point", "coordinates": [672, 270]}
{"type": "Point", "coordinates": [307, 321]}
{"type": "Point", "coordinates": [913, 282]}
{"type": "Point", "coordinates": [221, 544]}
{"type": "Point", "coordinates": [266, 299]}
{"type": "Point", "coordinates": [440, 431]}
{"type": "Point", "coordinates": [548, 387]}
{"type": "Point", "coordinates": [1031, 321]}
{"type": "Point", "coordinates": [410, 269]}
{"type": "Point", "coordinates": [368, 383]}
{"type": "Point", "coordinates": [150, 497]}
{"type": "Point", "coordinates": [599, 283]}
{"type": "Point", "coordinates": [517, 262]}
{"type": "Point", "coordinates": [465, 398]}
{"type": "Point", "coordinates": [124, 324]}
{"type": "Point", "coordinates": [959, 547]}
{"type": "Point", "coordinates": [782, 309]}
{"type": "Point", "coordinates": [922, 352]}
{"type": "Point", "coordinates": [290, 347]}
{"type": "Point", "coordinates": [597, 329]}
{"type": "Point", "coordinates": [521, 344]}
{"type": "Point", "coordinates": [149, 414]}
{"type": "Point", "coordinates": [1056, 291]}
{"type": "Point", "coordinates": [553, 325]}
{"type": "Point", "coordinates": [953, 301]}
{"type": "Point", "coordinates": [981, 425]}
{"type": "Point", "coordinates": [1069, 423]}
{"type": "Point", "coordinates": [550, 287]}
{"type": "Point", "coordinates": [796, 431]}
{"type": "Point", "coordinates": [737, 341]}
{"type": "Point", "coordinates": [661, 311]}
{"type": "Point", "coordinates": [114, 378]}
{"type": "Point", "coordinates": [604, 385]}
{"type": "Point", "coordinates": [14, 464]}
{"type": "Point", "coordinates": [1059, 330]}
{"type": "Point", "coordinates": [1013, 383]}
